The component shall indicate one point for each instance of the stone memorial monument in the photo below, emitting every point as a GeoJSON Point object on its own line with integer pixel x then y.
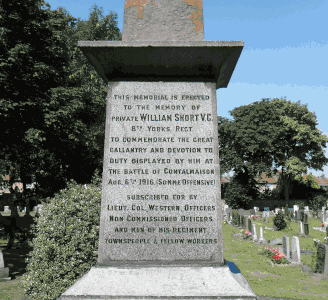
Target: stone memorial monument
{"type": "Point", "coordinates": [161, 209]}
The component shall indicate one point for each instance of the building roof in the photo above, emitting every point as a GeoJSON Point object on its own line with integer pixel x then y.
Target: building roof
{"type": "Point", "coordinates": [224, 180]}
{"type": "Point", "coordinates": [322, 181]}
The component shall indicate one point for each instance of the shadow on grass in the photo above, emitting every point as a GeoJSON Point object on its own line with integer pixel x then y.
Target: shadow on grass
{"type": "Point", "coordinates": [15, 259]}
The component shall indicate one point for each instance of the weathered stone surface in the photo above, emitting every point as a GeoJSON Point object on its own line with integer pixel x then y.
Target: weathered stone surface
{"type": "Point", "coordinates": [160, 178]}
{"type": "Point", "coordinates": [296, 253]}
{"type": "Point", "coordinates": [162, 20]}
{"type": "Point", "coordinates": [276, 241]}
{"type": "Point", "coordinates": [286, 247]}
{"type": "Point", "coordinates": [153, 283]}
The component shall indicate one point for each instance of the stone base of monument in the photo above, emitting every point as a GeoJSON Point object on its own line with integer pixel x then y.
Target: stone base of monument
{"type": "Point", "coordinates": [4, 274]}
{"type": "Point", "coordinates": [160, 282]}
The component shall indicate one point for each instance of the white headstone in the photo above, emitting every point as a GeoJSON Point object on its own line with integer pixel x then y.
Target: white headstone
{"type": "Point", "coordinates": [261, 234]}
{"type": "Point", "coordinates": [301, 227]}
{"type": "Point", "coordinates": [7, 209]}
{"type": "Point", "coordinates": [276, 210]}
{"type": "Point", "coordinates": [286, 248]}
{"type": "Point", "coordinates": [254, 236]}
{"type": "Point", "coordinates": [306, 208]}
{"type": "Point", "coordinates": [296, 208]}
{"type": "Point", "coordinates": [296, 252]}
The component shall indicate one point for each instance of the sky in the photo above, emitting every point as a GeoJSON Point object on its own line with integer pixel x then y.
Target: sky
{"type": "Point", "coordinates": [284, 55]}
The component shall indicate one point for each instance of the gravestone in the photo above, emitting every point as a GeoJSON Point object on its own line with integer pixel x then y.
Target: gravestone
{"type": "Point", "coordinates": [254, 235]}
{"type": "Point", "coordinates": [4, 272]}
{"type": "Point", "coordinates": [252, 212]}
{"type": "Point", "coordinates": [261, 238]}
{"type": "Point", "coordinates": [241, 211]}
{"type": "Point", "coordinates": [256, 208]}
{"type": "Point", "coordinates": [229, 213]}
{"type": "Point", "coordinates": [301, 227]}
{"type": "Point", "coordinates": [322, 260]}
{"type": "Point", "coordinates": [249, 225]}
{"type": "Point", "coordinates": [286, 248]}
{"type": "Point", "coordinates": [276, 241]}
{"type": "Point", "coordinates": [6, 209]}
{"type": "Point", "coordinates": [306, 229]}
{"type": "Point", "coordinates": [161, 217]}
{"type": "Point", "coordinates": [296, 252]}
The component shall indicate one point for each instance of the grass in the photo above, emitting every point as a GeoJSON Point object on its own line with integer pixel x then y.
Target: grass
{"type": "Point", "coordinates": [267, 281]}
{"type": "Point", "coordinates": [272, 281]}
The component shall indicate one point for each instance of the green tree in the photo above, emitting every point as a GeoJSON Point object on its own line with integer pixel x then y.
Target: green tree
{"type": "Point", "coordinates": [72, 110]}
{"type": "Point", "coordinates": [53, 103]}
{"type": "Point", "coordinates": [268, 136]}
{"type": "Point", "coordinates": [241, 191]}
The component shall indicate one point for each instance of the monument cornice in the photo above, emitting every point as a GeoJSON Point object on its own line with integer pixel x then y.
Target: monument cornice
{"type": "Point", "coordinates": [170, 61]}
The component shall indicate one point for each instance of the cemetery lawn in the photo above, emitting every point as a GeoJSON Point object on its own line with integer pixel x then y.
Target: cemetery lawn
{"type": "Point", "coordinates": [275, 281]}
{"type": "Point", "coordinates": [266, 281]}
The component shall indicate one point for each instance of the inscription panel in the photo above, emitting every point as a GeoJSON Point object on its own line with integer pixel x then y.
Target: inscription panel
{"type": "Point", "coordinates": [160, 192]}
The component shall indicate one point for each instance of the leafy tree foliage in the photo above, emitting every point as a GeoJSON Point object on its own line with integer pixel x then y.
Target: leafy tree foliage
{"type": "Point", "coordinates": [241, 191]}
{"type": "Point", "coordinates": [53, 107]}
{"type": "Point", "coordinates": [317, 202]}
{"type": "Point", "coordinates": [53, 103]}
{"type": "Point", "coordinates": [269, 135]}
{"type": "Point", "coordinates": [300, 188]}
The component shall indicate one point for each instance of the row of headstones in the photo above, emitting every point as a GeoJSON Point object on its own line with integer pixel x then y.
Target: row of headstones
{"type": "Point", "coordinates": [297, 214]}
{"type": "Point", "coordinates": [303, 222]}
{"type": "Point", "coordinates": [293, 256]}
{"type": "Point", "coordinates": [37, 208]}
